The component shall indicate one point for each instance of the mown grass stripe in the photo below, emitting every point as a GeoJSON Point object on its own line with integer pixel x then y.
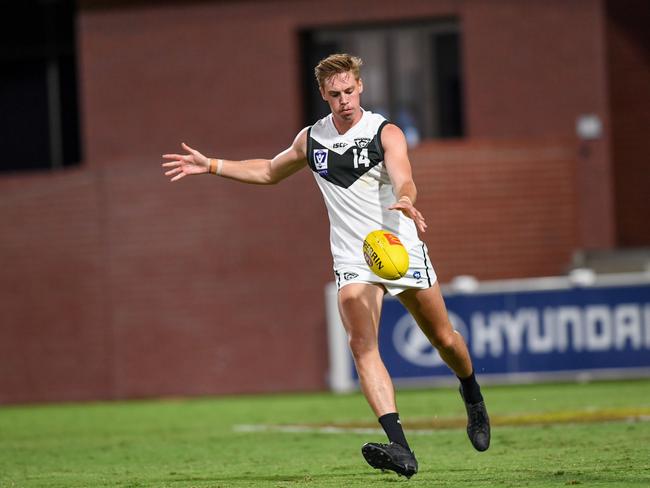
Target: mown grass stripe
{"type": "Point", "coordinates": [432, 424]}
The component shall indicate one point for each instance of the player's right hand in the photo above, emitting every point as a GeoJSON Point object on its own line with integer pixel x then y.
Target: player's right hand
{"type": "Point", "coordinates": [193, 163]}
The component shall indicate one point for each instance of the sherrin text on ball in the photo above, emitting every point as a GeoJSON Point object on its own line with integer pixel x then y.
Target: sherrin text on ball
{"type": "Point", "coordinates": [385, 255]}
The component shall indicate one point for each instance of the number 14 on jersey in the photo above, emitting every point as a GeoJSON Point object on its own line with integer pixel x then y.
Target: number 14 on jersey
{"type": "Point", "coordinates": [361, 158]}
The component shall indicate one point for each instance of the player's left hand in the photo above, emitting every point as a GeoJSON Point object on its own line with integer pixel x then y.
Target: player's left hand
{"type": "Point", "coordinates": [192, 163]}
{"type": "Point", "coordinates": [411, 212]}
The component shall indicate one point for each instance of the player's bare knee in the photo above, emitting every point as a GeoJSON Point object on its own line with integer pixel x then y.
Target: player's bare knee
{"type": "Point", "coordinates": [361, 346]}
{"type": "Point", "coordinates": [443, 341]}
{"type": "Point", "coordinates": [350, 296]}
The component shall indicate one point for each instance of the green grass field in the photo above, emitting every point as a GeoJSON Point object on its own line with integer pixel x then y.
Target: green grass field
{"type": "Point", "coordinates": [595, 434]}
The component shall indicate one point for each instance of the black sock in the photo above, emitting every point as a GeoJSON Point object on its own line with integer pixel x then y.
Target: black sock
{"type": "Point", "coordinates": [393, 428]}
{"type": "Point", "coordinates": [471, 389]}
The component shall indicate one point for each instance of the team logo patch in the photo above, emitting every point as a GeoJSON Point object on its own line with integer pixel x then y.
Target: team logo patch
{"type": "Point", "coordinates": [349, 276]}
{"type": "Point", "coordinates": [417, 275]}
{"type": "Point", "coordinates": [320, 160]}
{"type": "Point", "coordinates": [362, 142]}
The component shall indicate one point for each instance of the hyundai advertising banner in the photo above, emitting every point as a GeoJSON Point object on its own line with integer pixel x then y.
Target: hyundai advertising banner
{"type": "Point", "coordinates": [595, 331]}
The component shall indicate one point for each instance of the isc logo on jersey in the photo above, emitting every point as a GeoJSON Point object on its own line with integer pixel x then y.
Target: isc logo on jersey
{"type": "Point", "coordinates": [385, 255]}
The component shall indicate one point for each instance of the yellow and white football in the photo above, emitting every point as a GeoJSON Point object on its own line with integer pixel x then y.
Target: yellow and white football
{"type": "Point", "coordinates": [385, 255]}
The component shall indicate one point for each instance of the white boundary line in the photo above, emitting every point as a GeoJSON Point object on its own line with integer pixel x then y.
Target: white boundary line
{"type": "Point", "coordinates": [305, 429]}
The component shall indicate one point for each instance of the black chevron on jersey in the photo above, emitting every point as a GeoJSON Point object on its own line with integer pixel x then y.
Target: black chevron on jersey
{"type": "Point", "coordinates": [344, 169]}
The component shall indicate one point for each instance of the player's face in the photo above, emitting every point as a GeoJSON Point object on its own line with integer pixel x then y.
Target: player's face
{"type": "Point", "coordinates": [342, 92]}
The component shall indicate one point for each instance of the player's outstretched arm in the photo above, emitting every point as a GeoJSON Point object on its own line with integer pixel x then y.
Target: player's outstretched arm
{"type": "Point", "coordinates": [254, 171]}
{"type": "Point", "coordinates": [399, 170]}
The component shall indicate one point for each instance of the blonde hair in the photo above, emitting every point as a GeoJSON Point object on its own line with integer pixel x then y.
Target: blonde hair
{"type": "Point", "coordinates": [335, 64]}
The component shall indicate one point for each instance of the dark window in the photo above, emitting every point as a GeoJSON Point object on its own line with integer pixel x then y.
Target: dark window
{"type": "Point", "coordinates": [39, 121]}
{"type": "Point", "coordinates": [411, 73]}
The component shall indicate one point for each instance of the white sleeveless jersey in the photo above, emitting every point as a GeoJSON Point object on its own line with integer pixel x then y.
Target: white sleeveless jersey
{"type": "Point", "coordinates": [350, 172]}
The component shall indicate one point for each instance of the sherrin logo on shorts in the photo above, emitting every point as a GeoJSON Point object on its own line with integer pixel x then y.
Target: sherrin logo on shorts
{"type": "Point", "coordinates": [385, 255]}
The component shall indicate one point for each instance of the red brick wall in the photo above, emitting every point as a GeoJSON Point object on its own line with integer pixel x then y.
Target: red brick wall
{"type": "Point", "coordinates": [117, 284]}
{"type": "Point", "coordinates": [202, 71]}
{"type": "Point", "coordinates": [54, 339]}
{"type": "Point", "coordinates": [498, 209]}
{"type": "Point", "coordinates": [629, 95]}
{"type": "Point", "coordinates": [531, 69]}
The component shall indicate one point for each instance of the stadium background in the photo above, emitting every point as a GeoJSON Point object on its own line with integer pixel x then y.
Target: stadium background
{"type": "Point", "coordinates": [115, 284]}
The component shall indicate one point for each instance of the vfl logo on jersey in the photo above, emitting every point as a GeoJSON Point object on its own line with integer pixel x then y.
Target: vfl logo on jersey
{"type": "Point", "coordinates": [320, 160]}
{"type": "Point", "coordinates": [362, 142]}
